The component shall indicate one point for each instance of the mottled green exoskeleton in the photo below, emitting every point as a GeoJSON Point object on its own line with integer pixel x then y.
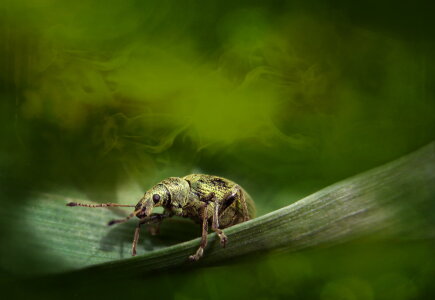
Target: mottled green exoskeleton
{"type": "Point", "coordinates": [209, 200]}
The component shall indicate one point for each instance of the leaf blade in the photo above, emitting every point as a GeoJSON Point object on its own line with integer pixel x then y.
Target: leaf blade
{"type": "Point", "coordinates": [387, 200]}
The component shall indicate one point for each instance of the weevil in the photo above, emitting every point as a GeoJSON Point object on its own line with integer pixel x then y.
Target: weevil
{"type": "Point", "coordinates": [208, 200]}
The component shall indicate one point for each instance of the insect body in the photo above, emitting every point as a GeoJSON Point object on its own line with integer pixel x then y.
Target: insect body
{"type": "Point", "coordinates": [209, 200]}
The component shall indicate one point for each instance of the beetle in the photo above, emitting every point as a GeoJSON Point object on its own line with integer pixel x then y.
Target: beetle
{"type": "Point", "coordinates": [208, 200]}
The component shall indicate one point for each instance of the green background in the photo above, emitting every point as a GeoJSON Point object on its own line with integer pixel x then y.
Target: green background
{"type": "Point", "coordinates": [105, 98]}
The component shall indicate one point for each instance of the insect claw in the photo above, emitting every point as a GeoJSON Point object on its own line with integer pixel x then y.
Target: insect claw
{"type": "Point", "coordinates": [197, 255]}
{"type": "Point", "coordinates": [112, 222]}
{"type": "Point", "coordinates": [71, 204]}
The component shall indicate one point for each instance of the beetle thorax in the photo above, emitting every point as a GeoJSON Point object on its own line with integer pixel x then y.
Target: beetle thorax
{"type": "Point", "coordinates": [178, 189]}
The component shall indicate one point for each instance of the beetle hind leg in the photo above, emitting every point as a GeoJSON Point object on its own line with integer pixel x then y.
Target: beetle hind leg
{"type": "Point", "coordinates": [215, 226]}
{"type": "Point", "coordinates": [240, 212]}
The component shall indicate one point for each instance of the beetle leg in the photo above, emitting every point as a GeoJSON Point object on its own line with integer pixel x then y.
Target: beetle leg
{"type": "Point", "coordinates": [152, 219]}
{"type": "Point", "coordinates": [208, 198]}
{"type": "Point", "coordinates": [244, 205]}
{"type": "Point", "coordinates": [231, 197]}
{"type": "Point", "coordinates": [215, 225]}
{"type": "Point", "coordinates": [135, 239]}
{"type": "Point", "coordinates": [203, 243]}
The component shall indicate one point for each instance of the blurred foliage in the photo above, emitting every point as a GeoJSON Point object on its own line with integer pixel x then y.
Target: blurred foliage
{"type": "Point", "coordinates": [284, 97]}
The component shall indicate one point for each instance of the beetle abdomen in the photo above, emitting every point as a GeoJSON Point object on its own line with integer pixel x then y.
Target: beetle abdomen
{"type": "Point", "coordinates": [233, 210]}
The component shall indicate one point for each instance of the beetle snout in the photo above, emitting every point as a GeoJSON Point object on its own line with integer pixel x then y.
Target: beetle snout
{"type": "Point", "coordinates": [141, 215]}
{"type": "Point", "coordinates": [145, 210]}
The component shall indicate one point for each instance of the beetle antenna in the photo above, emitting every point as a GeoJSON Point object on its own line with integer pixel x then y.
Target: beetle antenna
{"type": "Point", "coordinates": [113, 222]}
{"type": "Point", "coordinates": [99, 205]}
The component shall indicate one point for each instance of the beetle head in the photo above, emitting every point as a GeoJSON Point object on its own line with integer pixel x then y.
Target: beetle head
{"type": "Point", "coordinates": [155, 197]}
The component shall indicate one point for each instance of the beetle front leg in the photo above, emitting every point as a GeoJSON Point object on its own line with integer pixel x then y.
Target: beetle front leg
{"type": "Point", "coordinates": [152, 219]}
{"type": "Point", "coordinates": [215, 225]}
{"type": "Point", "coordinates": [203, 243]}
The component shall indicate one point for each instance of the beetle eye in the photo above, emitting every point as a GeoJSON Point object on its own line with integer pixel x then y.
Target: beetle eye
{"type": "Point", "coordinates": [156, 198]}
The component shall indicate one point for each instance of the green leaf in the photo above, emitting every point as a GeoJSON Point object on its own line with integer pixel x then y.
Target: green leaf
{"type": "Point", "coordinates": [393, 200]}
